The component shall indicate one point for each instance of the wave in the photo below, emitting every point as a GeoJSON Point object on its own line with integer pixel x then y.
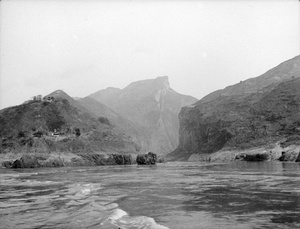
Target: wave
{"type": "Point", "coordinates": [80, 194]}
{"type": "Point", "coordinates": [121, 219]}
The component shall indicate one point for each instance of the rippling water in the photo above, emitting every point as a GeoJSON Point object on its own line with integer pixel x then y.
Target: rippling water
{"type": "Point", "coordinates": [171, 195]}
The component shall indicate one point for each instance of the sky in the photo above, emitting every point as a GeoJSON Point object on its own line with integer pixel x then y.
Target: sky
{"type": "Point", "coordinates": [82, 46]}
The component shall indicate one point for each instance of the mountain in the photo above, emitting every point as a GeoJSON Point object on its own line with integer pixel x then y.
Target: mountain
{"type": "Point", "coordinates": [150, 111]}
{"type": "Point", "coordinates": [259, 112]}
{"type": "Point", "coordinates": [101, 111]}
{"type": "Point", "coordinates": [58, 123]}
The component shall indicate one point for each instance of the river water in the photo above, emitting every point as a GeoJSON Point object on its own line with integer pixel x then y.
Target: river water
{"type": "Point", "coordinates": [172, 195]}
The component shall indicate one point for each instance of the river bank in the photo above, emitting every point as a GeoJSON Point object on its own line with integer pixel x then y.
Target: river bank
{"type": "Point", "coordinates": [274, 152]}
{"type": "Point", "coordinates": [60, 159]}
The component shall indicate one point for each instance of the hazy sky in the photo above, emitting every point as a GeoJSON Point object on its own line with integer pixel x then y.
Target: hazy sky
{"type": "Point", "coordinates": [84, 46]}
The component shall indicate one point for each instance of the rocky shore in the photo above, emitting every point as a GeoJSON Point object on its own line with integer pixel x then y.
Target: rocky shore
{"type": "Point", "coordinates": [272, 153]}
{"type": "Point", "coordinates": [15, 161]}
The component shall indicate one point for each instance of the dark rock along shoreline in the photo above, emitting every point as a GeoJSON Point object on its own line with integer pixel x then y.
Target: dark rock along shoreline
{"type": "Point", "coordinates": [37, 161]}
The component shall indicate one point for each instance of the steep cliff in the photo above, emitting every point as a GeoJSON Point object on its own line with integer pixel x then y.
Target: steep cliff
{"type": "Point", "coordinates": [151, 109]}
{"type": "Point", "coordinates": [58, 123]}
{"type": "Point", "coordinates": [258, 112]}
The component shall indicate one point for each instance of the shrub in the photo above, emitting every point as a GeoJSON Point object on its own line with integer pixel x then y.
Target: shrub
{"type": "Point", "coordinates": [104, 120]}
{"type": "Point", "coordinates": [77, 131]}
{"type": "Point", "coordinates": [21, 134]}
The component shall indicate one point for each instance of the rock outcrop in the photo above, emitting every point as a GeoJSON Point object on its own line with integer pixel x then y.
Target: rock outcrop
{"type": "Point", "coordinates": [149, 109]}
{"type": "Point", "coordinates": [256, 157]}
{"type": "Point", "coordinates": [39, 160]}
{"type": "Point", "coordinates": [146, 159]}
{"type": "Point", "coordinates": [110, 159]}
{"type": "Point", "coordinates": [258, 112]}
{"type": "Point", "coordinates": [33, 161]}
{"type": "Point", "coordinates": [298, 158]}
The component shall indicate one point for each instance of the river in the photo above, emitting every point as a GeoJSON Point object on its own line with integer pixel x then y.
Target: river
{"type": "Point", "coordinates": [171, 195]}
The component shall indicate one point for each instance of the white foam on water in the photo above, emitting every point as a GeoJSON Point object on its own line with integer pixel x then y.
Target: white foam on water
{"type": "Point", "coordinates": [81, 190]}
{"type": "Point", "coordinates": [86, 191]}
{"type": "Point", "coordinates": [117, 214]}
{"type": "Point", "coordinates": [111, 206]}
{"type": "Point", "coordinates": [121, 219]}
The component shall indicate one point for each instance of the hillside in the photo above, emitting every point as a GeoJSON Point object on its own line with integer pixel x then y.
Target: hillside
{"type": "Point", "coordinates": [120, 123]}
{"type": "Point", "coordinates": [259, 112]}
{"type": "Point", "coordinates": [150, 108]}
{"type": "Point", "coordinates": [58, 123]}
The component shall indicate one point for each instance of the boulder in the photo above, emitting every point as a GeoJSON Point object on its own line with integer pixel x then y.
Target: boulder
{"type": "Point", "coordinates": [118, 159]}
{"type": "Point", "coordinates": [240, 156]}
{"type": "Point", "coordinates": [110, 160]}
{"type": "Point", "coordinates": [289, 155]}
{"type": "Point", "coordinates": [7, 164]}
{"type": "Point", "coordinates": [298, 158]}
{"type": "Point", "coordinates": [27, 161]}
{"type": "Point", "coordinates": [146, 159]}
{"type": "Point", "coordinates": [123, 159]}
{"type": "Point", "coordinates": [256, 157]}
{"type": "Point", "coordinates": [53, 162]}
{"type": "Point", "coordinates": [100, 159]}
{"type": "Point", "coordinates": [127, 159]}
{"type": "Point", "coordinates": [283, 157]}
{"type": "Point", "coordinates": [17, 164]}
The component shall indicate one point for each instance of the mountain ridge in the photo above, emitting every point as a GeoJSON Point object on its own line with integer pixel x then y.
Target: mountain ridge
{"type": "Point", "coordinates": [152, 107]}
{"type": "Point", "coordinates": [234, 118]}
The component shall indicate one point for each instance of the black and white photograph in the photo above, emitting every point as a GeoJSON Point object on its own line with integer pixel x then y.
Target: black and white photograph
{"type": "Point", "coordinates": [149, 114]}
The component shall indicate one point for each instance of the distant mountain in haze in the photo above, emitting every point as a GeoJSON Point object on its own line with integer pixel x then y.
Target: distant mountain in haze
{"type": "Point", "coordinates": [147, 110]}
{"type": "Point", "coordinates": [99, 110]}
{"type": "Point", "coordinates": [258, 112]}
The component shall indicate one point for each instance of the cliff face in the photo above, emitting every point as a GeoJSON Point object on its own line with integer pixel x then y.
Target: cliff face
{"type": "Point", "coordinates": [59, 124]}
{"type": "Point", "coordinates": [151, 109]}
{"type": "Point", "coordinates": [258, 112]}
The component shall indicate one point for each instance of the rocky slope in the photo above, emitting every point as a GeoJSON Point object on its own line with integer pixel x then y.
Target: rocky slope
{"type": "Point", "coordinates": [58, 123]}
{"type": "Point", "coordinates": [260, 113]}
{"type": "Point", "coordinates": [150, 108]}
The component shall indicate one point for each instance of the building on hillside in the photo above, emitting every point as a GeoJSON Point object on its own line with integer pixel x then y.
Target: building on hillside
{"type": "Point", "coordinates": [48, 99]}
{"type": "Point", "coordinates": [39, 97]}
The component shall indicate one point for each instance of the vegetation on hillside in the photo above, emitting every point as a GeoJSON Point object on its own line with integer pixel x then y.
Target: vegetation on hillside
{"type": "Point", "coordinates": [258, 112]}
{"type": "Point", "coordinates": [56, 125]}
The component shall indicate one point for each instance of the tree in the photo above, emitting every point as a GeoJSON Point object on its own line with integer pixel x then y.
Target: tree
{"type": "Point", "coordinates": [77, 132]}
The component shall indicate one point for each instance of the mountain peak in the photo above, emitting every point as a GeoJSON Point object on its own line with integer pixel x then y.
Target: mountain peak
{"type": "Point", "coordinates": [58, 94]}
{"type": "Point", "coordinates": [151, 108]}
{"type": "Point", "coordinates": [164, 81]}
{"type": "Point", "coordinates": [149, 85]}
